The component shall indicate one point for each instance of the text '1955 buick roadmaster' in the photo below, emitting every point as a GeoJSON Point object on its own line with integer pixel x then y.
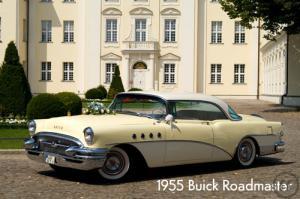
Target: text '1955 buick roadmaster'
{"type": "Point", "coordinates": [158, 129]}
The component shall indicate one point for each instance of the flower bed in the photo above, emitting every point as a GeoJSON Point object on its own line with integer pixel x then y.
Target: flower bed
{"type": "Point", "coordinates": [9, 123]}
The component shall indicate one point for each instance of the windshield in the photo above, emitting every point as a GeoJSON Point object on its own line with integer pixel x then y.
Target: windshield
{"type": "Point", "coordinates": [233, 114]}
{"type": "Point", "coordinates": [139, 105]}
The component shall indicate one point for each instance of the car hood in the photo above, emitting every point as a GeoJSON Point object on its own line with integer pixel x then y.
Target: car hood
{"type": "Point", "coordinates": [74, 125]}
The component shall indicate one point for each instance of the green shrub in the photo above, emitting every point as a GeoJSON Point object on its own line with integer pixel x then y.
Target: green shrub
{"type": "Point", "coordinates": [14, 87]}
{"type": "Point", "coordinates": [94, 93]}
{"type": "Point", "coordinates": [71, 101]}
{"type": "Point", "coordinates": [45, 106]}
{"type": "Point", "coordinates": [135, 89]}
{"type": "Point", "coordinates": [103, 91]}
{"type": "Point", "coordinates": [116, 85]}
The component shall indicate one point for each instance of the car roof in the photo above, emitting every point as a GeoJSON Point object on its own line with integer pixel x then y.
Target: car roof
{"type": "Point", "coordinates": [185, 96]}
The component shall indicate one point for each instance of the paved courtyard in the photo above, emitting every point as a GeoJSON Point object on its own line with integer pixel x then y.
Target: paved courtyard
{"type": "Point", "coordinates": [21, 178]}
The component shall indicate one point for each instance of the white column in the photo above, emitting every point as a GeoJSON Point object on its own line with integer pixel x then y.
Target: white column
{"type": "Point", "coordinates": [150, 83]}
{"type": "Point", "coordinates": [126, 72]}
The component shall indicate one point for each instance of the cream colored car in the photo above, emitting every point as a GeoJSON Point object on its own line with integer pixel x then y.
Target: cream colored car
{"type": "Point", "coordinates": [158, 129]}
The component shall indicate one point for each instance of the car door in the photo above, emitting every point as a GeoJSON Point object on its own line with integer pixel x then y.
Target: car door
{"type": "Point", "coordinates": [190, 137]}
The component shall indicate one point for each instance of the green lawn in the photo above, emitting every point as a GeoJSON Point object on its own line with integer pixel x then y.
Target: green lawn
{"type": "Point", "coordinates": [16, 138]}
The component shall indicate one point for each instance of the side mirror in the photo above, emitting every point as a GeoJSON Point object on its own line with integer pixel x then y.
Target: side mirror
{"type": "Point", "coordinates": [169, 119]}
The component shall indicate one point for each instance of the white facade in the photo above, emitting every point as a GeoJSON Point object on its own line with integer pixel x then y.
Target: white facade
{"type": "Point", "coordinates": [274, 66]}
{"type": "Point", "coordinates": [162, 45]}
{"type": "Point", "coordinates": [13, 22]}
{"type": "Point", "coordinates": [153, 61]}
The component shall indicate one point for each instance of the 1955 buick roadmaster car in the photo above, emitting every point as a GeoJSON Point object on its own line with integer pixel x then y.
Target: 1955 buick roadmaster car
{"type": "Point", "coordinates": [158, 129]}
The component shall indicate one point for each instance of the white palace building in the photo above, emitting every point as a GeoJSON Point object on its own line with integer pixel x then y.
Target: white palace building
{"type": "Point", "coordinates": [163, 45]}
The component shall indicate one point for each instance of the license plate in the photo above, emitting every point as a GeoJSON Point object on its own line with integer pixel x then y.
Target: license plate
{"type": "Point", "coordinates": [50, 159]}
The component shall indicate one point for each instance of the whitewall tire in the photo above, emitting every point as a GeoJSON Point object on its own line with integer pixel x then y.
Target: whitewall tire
{"type": "Point", "coordinates": [246, 152]}
{"type": "Point", "coordinates": [116, 166]}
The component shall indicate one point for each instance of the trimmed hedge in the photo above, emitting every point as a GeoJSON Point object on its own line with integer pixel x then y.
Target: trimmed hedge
{"type": "Point", "coordinates": [45, 106]}
{"type": "Point", "coordinates": [71, 101]}
{"type": "Point", "coordinates": [103, 91]}
{"type": "Point", "coordinates": [14, 87]}
{"type": "Point", "coordinates": [94, 93]}
{"type": "Point", "coordinates": [116, 85]}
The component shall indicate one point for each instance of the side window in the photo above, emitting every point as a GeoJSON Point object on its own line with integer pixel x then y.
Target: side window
{"type": "Point", "coordinates": [197, 110]}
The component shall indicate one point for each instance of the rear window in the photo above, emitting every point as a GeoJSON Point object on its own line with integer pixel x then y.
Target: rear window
{"type": "Point", "coordinates": [233, 114]}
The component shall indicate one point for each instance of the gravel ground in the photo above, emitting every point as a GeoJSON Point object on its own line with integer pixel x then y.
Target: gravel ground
{"type": "Point", "coordinates": [21, 178]}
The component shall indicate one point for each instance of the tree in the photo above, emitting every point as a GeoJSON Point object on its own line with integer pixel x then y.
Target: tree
{"type": "Point", "coordinates": [116, 85]}
{"type": "Point", "coordinates": [275, 15]}
{"type": "Point", "coordinates": [14, 87]}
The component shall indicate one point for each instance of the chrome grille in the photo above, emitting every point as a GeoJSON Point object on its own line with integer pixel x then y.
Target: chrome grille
{"type": "Point", "coordinates": [55, 143]}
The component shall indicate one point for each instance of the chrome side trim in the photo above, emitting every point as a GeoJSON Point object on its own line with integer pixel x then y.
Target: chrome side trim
{"type": "Point", "coordinates": [193, 141]}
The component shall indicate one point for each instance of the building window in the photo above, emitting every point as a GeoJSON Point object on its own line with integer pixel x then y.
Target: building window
{"type": "Point", "coordinates": [140, 30]}
{"type": "Point", "coordinates": [69, 1]}
{"type": "Point", "coordinates": [110, 70]}
{"type": "Point", "coordinates": [111, 30]}
{"type": "Point", "coordinates": [239, 33]}
{"type": "Point", "coordinates": [170, 30]}
{"type": "Point", "coordinates": [68, 68]}
{"type": "Point", "coordinates": [216, 32]}
{"type": "Point", "coordinates": [169, 75]}
{"type": "Point", "coordinates": [46, 31]}
{"type": "Point", "coordinates": [46, 71]}
{"type": "Point", "coordinates": [216, 74]}
{"type": "Point", "coordinates": [239, 73]}
{"type": "Point", "coordinates": [68, 31]}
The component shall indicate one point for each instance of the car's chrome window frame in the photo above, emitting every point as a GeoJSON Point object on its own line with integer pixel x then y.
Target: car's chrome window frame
{"type": "Point", "coordinates": [168, 105]}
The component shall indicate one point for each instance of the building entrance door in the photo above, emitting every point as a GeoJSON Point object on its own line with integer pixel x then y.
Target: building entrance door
{"type": "Point", "coordinates": [139, 75]}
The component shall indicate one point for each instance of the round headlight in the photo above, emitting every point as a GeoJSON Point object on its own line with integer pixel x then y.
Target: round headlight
{"type": "Point", "coordinates": [89, 135]}
{"type": "Point", "coordinates": [31, 127]}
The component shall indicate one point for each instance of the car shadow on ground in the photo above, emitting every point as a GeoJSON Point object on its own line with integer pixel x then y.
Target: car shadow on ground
{"type": "Point", "coordinates": [93, 178]}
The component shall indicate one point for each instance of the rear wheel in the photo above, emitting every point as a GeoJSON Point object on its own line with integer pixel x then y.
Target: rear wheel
{"type": "Point", "coordinates": [246, 152]}
{"type": "Point", "coordinates": [116, 165]}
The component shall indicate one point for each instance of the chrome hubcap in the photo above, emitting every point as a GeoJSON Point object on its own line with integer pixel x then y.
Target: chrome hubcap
{"type": "Point", "coordinates": [245, 152]}
{"type": "Point", "coordinates": [114, 163]}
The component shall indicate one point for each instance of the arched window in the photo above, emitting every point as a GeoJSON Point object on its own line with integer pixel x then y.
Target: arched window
{"type": "Point", "coordinates": [139, 65]}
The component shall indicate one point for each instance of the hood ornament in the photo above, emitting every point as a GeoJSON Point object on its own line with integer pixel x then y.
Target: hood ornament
{"type": "Point", "coordinates": [58, 127]}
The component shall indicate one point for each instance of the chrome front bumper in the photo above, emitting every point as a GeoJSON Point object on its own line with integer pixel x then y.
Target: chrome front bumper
{"type": "Point", "coordinates": [75, 157]}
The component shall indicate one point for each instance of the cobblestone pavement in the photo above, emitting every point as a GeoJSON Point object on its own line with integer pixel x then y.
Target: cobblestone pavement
{"type": "Point", "coordinates": [21, 178]}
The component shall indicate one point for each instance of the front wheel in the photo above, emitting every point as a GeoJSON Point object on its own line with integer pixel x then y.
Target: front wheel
{"type": "Point", "coordinates": [246, 152]}
{"type": "Point", "coordinates": [116, 165]}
